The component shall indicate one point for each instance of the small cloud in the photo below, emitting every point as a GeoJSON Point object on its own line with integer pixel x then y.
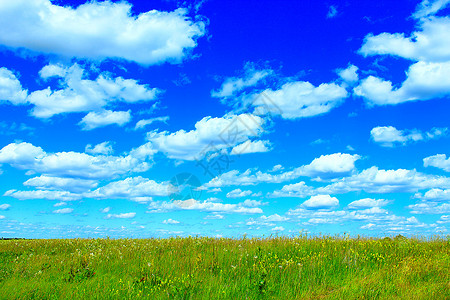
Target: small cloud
{"type": "Point", "coordinates": [5, 206]}
{"type": "Point", "coordinates": [121, 216]}
{"type": "Point", "coordinates": [278, 228]}
{"type": "Point", "coordinates": [60, 204]}
{"type": "Point", "coordinates": [170, 221]}
{"type": "Point", "coordinates": [63, 211]}
{"type": "Point", "coordinates": [105, 210]}
{"type": "Point", "coordinates": [102, 148]}
{"type": "Point", "coordinates": [332, 12]}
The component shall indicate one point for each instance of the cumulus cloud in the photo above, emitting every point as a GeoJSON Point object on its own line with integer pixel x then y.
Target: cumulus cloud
{"type": "Point", "coordinates": [4, 206]}
{"type": "Point", "coordinates": [299, 99]}
{"type": "Point", "coordinates": [130, 215]}
{"type": "Point", "coordinates": [10, 88]}
{"type": "Point", "coordinates": [238, 193]}
{"type": "Point", "coordinates": [74, 164]}
{"type": "Point", "coordinates": [321, 202]}
{"type": "Point", "coordinates": [104, 148]}
{"type": "Point", "coordinates": [192, 204]}
{"type": "Point", "coordinates": [430, 7]}
{"type": "Point", "coordinates": [104, 118]}
{"type": "Point", "coordinates": [114, 31]}
{"type": "Point", "coordinates": [367, 203]}
{"type": "Point", "coordinates": [170, 221]}
{"type": "Point", "coordinates": [63, 211]}
{"type": "Point", "coordinates": [438, 161]}
{"type": "Point", "coordinates": [425, 80]}
{"type": "Point", "coordinates": [76, 185]}
{"type": "Point", "coordinates": [210, 135]}
{"type": "Point", "coordinates": [137, 189]}
{"type": "Point", "coordinates": [325, 166]}
{"type": "Point", "coordinates": [266, 220]}
{"type": "Point", "coordinates": [81, 95]}
{"type": "Point", "coordinates": [43, 194]}
{"type": "Point", "coordinates": [143, 123]}
{"type": "Point", "coordinates": [232, 85]}
{"type": "Point", "coordinates": [251, 147]}
{"type": "Point", "coordinates": [434, 195]}
{"type": "Point", "coordinates": [389, 136]}
{"type": "Point", "coordinates": [349, 75]}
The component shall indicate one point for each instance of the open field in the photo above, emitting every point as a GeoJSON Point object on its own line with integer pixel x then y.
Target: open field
{"type": "Point", "coordinates": [208, 268]}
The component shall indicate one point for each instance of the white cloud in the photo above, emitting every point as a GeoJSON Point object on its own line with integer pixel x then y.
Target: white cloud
{"type": "Point", "coordinates": [43, 194]}
{"type": "Point", "coordinates": [438, 161]}
{"type": "Point", "coordinates": [63, 211]}
{"type": "Point", "coordinates": [444, 219]}
{"type": "Point", "coordinates": [251, 147]}
{"type": "Point", "coordinates": [430, 208]}
{"type": "Point", "coordinates": [300, 190]}
{"type": "Point", "coordinates": [332, 12]}
{"type": "Point", "coordinates": [10, 88]}
{"type": "Point", "coordinates": [232, 85]}
{"type": "Point", "coordinates": [209, 135]}
{"type": "Point", "coordinates": [389, 136]}
{"type": "Point", "coordinates": [114, 32]}
{"type": "Point", "coordinates": [252, 203]}
{"type": "Point", "coordinates": [430, 7]}
{"type": "Point", "coordinates": [130, 215]}
{"type": "Point", "coordinates": [214, 217]}
{"type": "Point", "coordinates": [73, 164]}
{"type": "Point", "coordinates": [81, 95]}
{"type": "Point", "coordinates": [266, 220]}
{"type": "Point", "coordinates": [238, 193]}
{"type": "Point", "coordinates": [170, 221]}
{"type": "Point", "coordinates": [374, 180]}
{"type": "Point", "coordinates": [349, 75]}
{"type": "Point", "coordinates": [435, 195]}
{"type": "Point", "coordinates": [102, 148]}
{"type": "Point", "coordinates": [5, 206]}
{"type": "Point", "coordinates": [104, 118]}
{"type": "Point", "coordinates": [143, 123]}
{"type": "Point", "coordinates": [44, 182]}
{"type": "Point", "coordinates": [2, 217]}
{"type": "Point", "coordinates": [60, 204]}
{"type": "Point", "coordinates": [325, 166]}
{"type": "Point", "coordinates": [105, 210]}
{"type": "Point", "coordinates": [425, 80]}
{"type": "Point", "coordinates": [137, 189]}
{"type": "Point", "coordinates": [321, 202]}
{"type": "Point", "coordinates": [192, 204]}
{"type": "Point", "coordinates": [367, 203]}
{"type": "Point", "coordinates": [278, 228]}
{"type": "Point", "coordinates": [299, 99]}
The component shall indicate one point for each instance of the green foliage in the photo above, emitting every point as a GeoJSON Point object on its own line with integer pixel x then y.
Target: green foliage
{"type": "Point", "coordinates": [207, 268]}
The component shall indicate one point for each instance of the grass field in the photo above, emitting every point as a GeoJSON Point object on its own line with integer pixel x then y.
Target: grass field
{"type": "Point", "coordinates": [210, 268]}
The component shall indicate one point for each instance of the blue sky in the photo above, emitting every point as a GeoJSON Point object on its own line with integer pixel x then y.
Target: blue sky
{"type": "Point", "coordinates": [219, 118]}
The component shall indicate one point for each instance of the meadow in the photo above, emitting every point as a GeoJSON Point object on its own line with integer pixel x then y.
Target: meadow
{"type": "Point", "coordinates": [220, 268]}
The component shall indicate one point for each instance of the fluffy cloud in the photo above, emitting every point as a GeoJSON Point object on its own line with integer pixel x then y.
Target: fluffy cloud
{"type": "Point", "coordinates": [114, 32]}
{"type": "Point", "coordinates": [321, 202]}
{"type": "Point", "coordinates": [137, 189]}
{"type": "Point", "coordinates": [232, 85]}
{"type": "Point", "coordinates": [367, 203]}
{"type": "Point", "coordinates": [104, 118]}
{"type": "Point", "coordinates": [43, 194]}
{"type": "Point", "coordinates": [170, 221]}
{"type": "Point", "coordinates": [74, 164]}
{"type": "Point", "coordinates": [266, 220]}
{"type": "Point", "coordinates": [374, 180]}
{"type": "Point", "coordinates": [209, 135]}
{"type": "Point", "coordinates": [389, 136]}
{"type": "Point", "coordinates": [192, 204]}
{"type": "Point", "coordinates": [299, 99]}
{"type": "Point", "coordinates": [143, 123]}
{"type": "Point", "coordinates": [251, 147]}
{"type": "Point", "coordinates": [429, 208]}
{"type": "Point", "coordinates": [425, 80]}
{"type": "Point", "coordinates": [63, 211]}
{"type": "Point", "coordinates": [438, 161]}
{"type": "Point", "coordinates": [325, 166]}
{"type": "Point", "coordinates": [130, 215]}
{"type": "Point", "coordinates": [104, 148]}
{"type": "Point", "coordinates": [57, 183]}
{"type": "Point", "coordinates": [349, 75]}
{"type": "Point", "coordinates": [11, 88]}
{"type": "Point", "coordinates": [80, 94]}
{"type": "Point", "coordinates": [430, 7]}
{"type": "Point", "coordinates": [238, 193]}
{"type": "Point", "coordinates": [5, 206]}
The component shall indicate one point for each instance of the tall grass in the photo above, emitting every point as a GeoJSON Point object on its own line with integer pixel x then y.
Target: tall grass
{"type": "Point", "coordinates": [211, 268]}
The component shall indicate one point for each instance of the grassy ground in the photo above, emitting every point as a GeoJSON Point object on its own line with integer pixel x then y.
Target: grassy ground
{"type": "Point", "coordinates": [206, 268]}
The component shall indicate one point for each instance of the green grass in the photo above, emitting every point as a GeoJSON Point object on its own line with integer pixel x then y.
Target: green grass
{"type": "Point", "coordinates": [209, 268]}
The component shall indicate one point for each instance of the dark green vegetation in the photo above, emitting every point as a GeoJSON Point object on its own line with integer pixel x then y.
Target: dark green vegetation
{"type": "Point", "coordinates": [207, 268]}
